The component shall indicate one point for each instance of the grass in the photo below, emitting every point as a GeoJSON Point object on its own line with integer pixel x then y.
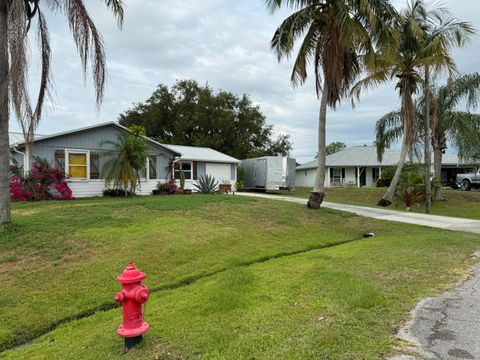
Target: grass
{"type": "Point", "coordinates": [457, 203]}
{"type": "Point", "coordinates": [228, 282]}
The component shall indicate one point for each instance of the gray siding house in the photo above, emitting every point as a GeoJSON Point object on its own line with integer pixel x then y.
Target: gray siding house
{"type": "Point", "coordinates": [82, 154]}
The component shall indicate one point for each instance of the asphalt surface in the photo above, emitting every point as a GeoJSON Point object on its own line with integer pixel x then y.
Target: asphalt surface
{"type": "Point", "coordinates": [446, 326]}
{"type": "Point", "coordinates": [441, 222]}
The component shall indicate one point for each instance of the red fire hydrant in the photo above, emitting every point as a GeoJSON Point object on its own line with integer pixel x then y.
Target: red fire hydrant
{"type": "Point", "coordinates": [132, 296]}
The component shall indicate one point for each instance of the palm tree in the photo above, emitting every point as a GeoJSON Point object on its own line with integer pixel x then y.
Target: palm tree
{"type": "Point", "coordinates": [15, 20]}
{"type": "Point", "coordinates": [336, 37]}
{"type": "Point", "coordinates": [128, 158]}
{"type": "Point", "coordinates": [447, 124]}
{"type": "Point", "coordinates": [420, 48]}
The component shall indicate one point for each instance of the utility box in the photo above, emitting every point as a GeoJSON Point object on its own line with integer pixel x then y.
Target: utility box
{"type": "Point", "coordinates": [268, 173]}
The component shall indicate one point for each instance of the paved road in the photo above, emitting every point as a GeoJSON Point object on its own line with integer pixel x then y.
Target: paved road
{"type": "Point", "coordinates": [441, 222]}
{"type": "Point", "coordinates": [446, 326]}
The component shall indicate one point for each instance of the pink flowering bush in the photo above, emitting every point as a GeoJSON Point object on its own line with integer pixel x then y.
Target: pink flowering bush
{"type": "Point", "coordinates": [41, 183]}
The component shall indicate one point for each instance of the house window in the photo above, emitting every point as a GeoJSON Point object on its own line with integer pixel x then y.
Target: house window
{"type": "Point", "coordinates": [78, 164]}
{"type": "Point", "coordinates": [94, 165]}
{"type": "Point", "coordinates": [152, 167]}
{"type": "Point", "coordinates": [186, 166]}
{"type": "Point", "coordinates": [336, 175]}
{"type": "Point", "coordinates": [60, 160]}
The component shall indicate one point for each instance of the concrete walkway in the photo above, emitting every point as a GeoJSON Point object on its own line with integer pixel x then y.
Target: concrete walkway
{"type": "Point", "coordinates": [441, 222]}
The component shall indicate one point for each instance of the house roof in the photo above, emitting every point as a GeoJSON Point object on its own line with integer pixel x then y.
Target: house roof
{"type": "Point", "coordinates": [184, 152]}
{"type": "Point", "coordinates": [201, 154]}
{"type": "Point", "coordinates": [16, 137]}
{"type": "Point", "coordinates": [367, 156]}
{"type": "Point", "coordinates": [86, 128]}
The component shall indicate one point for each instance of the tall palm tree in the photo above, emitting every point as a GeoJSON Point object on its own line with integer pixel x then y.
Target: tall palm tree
{"type": "Point", "coordinates": [127, 159]}
{"type": "Point", "coordinates": [15, 20]}
{"type": "Point", "coordinates": [337, 37]}
{"type": "Point", "coordinates": [447, 123]}
{"type": "Point", "coordinates": [406, 63]}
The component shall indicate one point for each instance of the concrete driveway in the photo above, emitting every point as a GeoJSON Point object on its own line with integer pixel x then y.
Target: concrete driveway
{"type": "Point", "coordinates": [441, 222]}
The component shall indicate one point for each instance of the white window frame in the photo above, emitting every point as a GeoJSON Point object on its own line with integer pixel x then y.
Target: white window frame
{"type": "Point", "coordinates": [67, 165]}
{"type": "Point", "coordinates": [184, 162]}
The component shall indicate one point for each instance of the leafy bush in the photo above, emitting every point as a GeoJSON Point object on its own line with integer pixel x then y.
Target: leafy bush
{"type": "Point", "coordinates": [169, 187]}
{"type": "Point", "coordinates": [41, 183]}
{"type": "Point", "coordinates": [182, 179]}
{"type": "Point", "coordinates": [206, 184]}
{"type": "Point", "coordinates": [411, 188]}
{"type": "Point", "coordinates": [115, 193]}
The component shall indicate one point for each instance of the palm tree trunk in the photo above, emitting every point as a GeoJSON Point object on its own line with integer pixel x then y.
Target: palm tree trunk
{"type": "Point", "coordinates": [4, 141]}
{"type": "Point", "coordinates": [386, 200]}
{"type": "Point", "coordinates": [318, 193]}
{"type": "Point", "coordinates": [428, 159]}
{"type": "Point", "coordinates": [28, 156]}
{"type": "Point", "coordinates": [437, 165]}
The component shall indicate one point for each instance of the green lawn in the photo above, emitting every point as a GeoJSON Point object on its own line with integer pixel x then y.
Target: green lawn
{"type": "Point", "coordinates": [457, 203]}
{"type": "Point", "coordinates": [226, 281]}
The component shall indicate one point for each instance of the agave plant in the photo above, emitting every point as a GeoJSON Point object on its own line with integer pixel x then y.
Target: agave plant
{"type": "Point", "coordinates": [206, 184]}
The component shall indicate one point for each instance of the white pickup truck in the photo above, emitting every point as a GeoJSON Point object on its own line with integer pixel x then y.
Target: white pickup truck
{"type": "Point", "coordinates": [469, 180]}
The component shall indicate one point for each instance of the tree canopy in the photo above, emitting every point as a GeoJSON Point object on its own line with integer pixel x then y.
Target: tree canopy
{"type": "Point", "coordinates": [190, 114]}
{"type": "Point", "coordinates": [335, 147]}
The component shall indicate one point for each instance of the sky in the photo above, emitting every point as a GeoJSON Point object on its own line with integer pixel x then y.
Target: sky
{"type": "Point", "coordinates": [223, 42]}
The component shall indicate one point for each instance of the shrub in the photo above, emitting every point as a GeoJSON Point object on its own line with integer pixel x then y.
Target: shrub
{"type": "Point", "coordinates": [115, 193]}
{"type": "Point", "coordinates": [41, 183]}
{"type": "Point", "coordinates": [169, 187]}
{"type": "Point", "coordinates": [411, 188]}
{"type": "Point", "coordinates": [206, 184]}
{"type": "Point", "coordinates": [182, 179]}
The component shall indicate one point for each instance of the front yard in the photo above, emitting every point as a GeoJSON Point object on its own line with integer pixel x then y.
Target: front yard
{"type": "Point", "coordinates": [457, 203]}
{"type": "Point", "coordinates": [232, 278]}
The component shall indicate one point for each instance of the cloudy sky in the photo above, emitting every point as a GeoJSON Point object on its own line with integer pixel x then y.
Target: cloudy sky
{"type": "Point", "coordinates": [224, 42]}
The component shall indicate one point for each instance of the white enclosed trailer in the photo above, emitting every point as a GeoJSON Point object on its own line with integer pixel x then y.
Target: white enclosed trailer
{"type": "Point", "coordinates": [268, 173]}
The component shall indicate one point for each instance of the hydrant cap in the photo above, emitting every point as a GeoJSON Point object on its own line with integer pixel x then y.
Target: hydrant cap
{"type": "Point", "coordinates": [131, 275]}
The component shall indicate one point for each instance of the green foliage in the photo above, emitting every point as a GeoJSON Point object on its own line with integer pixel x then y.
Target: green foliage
{"type": "Point", "coordinates": [182, 179]}
{"type": "Point", "coordinates": [206, 184]}
{"type": "Point", "coordinates": [240, 178]}
{"type": "Point", "coordinates": [190, 114]}
{"type": "Point", "coordinates": [126, 159]}
{"type": "Point", "coordinates": [335, 147]}
{"type": "Point", "coordinates": [411, 188]}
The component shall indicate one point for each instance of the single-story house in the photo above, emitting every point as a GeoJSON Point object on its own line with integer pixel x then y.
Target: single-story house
{"type": "Point", "coordinates": [358, 166]}
{"type": "Point", "coordinates": [81, 153]}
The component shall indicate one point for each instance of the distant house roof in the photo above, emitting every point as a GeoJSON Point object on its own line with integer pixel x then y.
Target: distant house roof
{"type": "Point", "coordinates": [367, 156]}
{"type": "Point", "coordinates": [201, 154]}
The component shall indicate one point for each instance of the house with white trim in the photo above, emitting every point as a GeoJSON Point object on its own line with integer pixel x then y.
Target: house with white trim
{"type": "Point", "coordinates": [81, 153]}
{"type": "Point", "coordinates": [358, 166]}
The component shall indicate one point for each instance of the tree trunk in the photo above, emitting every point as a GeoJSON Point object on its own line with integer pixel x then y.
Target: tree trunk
{"type": "Point", "coordinates": [437, 165]}
{"type": "Point", "coordinates": [386, 200]}
{"type": "Point", "coordinates": [27, 166]}
{"type": "Point", "coordinates": [4, 141]}
{"type": "Point", "coordinates": [318, 193]}
{"type": "Point", "coordinates": [428, 159]}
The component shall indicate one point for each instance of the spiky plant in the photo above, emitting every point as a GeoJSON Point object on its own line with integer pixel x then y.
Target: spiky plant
{"type": "Point", "coordinates": [15, 19]}
{"type": "Point", "coordinates": [206, 184]}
